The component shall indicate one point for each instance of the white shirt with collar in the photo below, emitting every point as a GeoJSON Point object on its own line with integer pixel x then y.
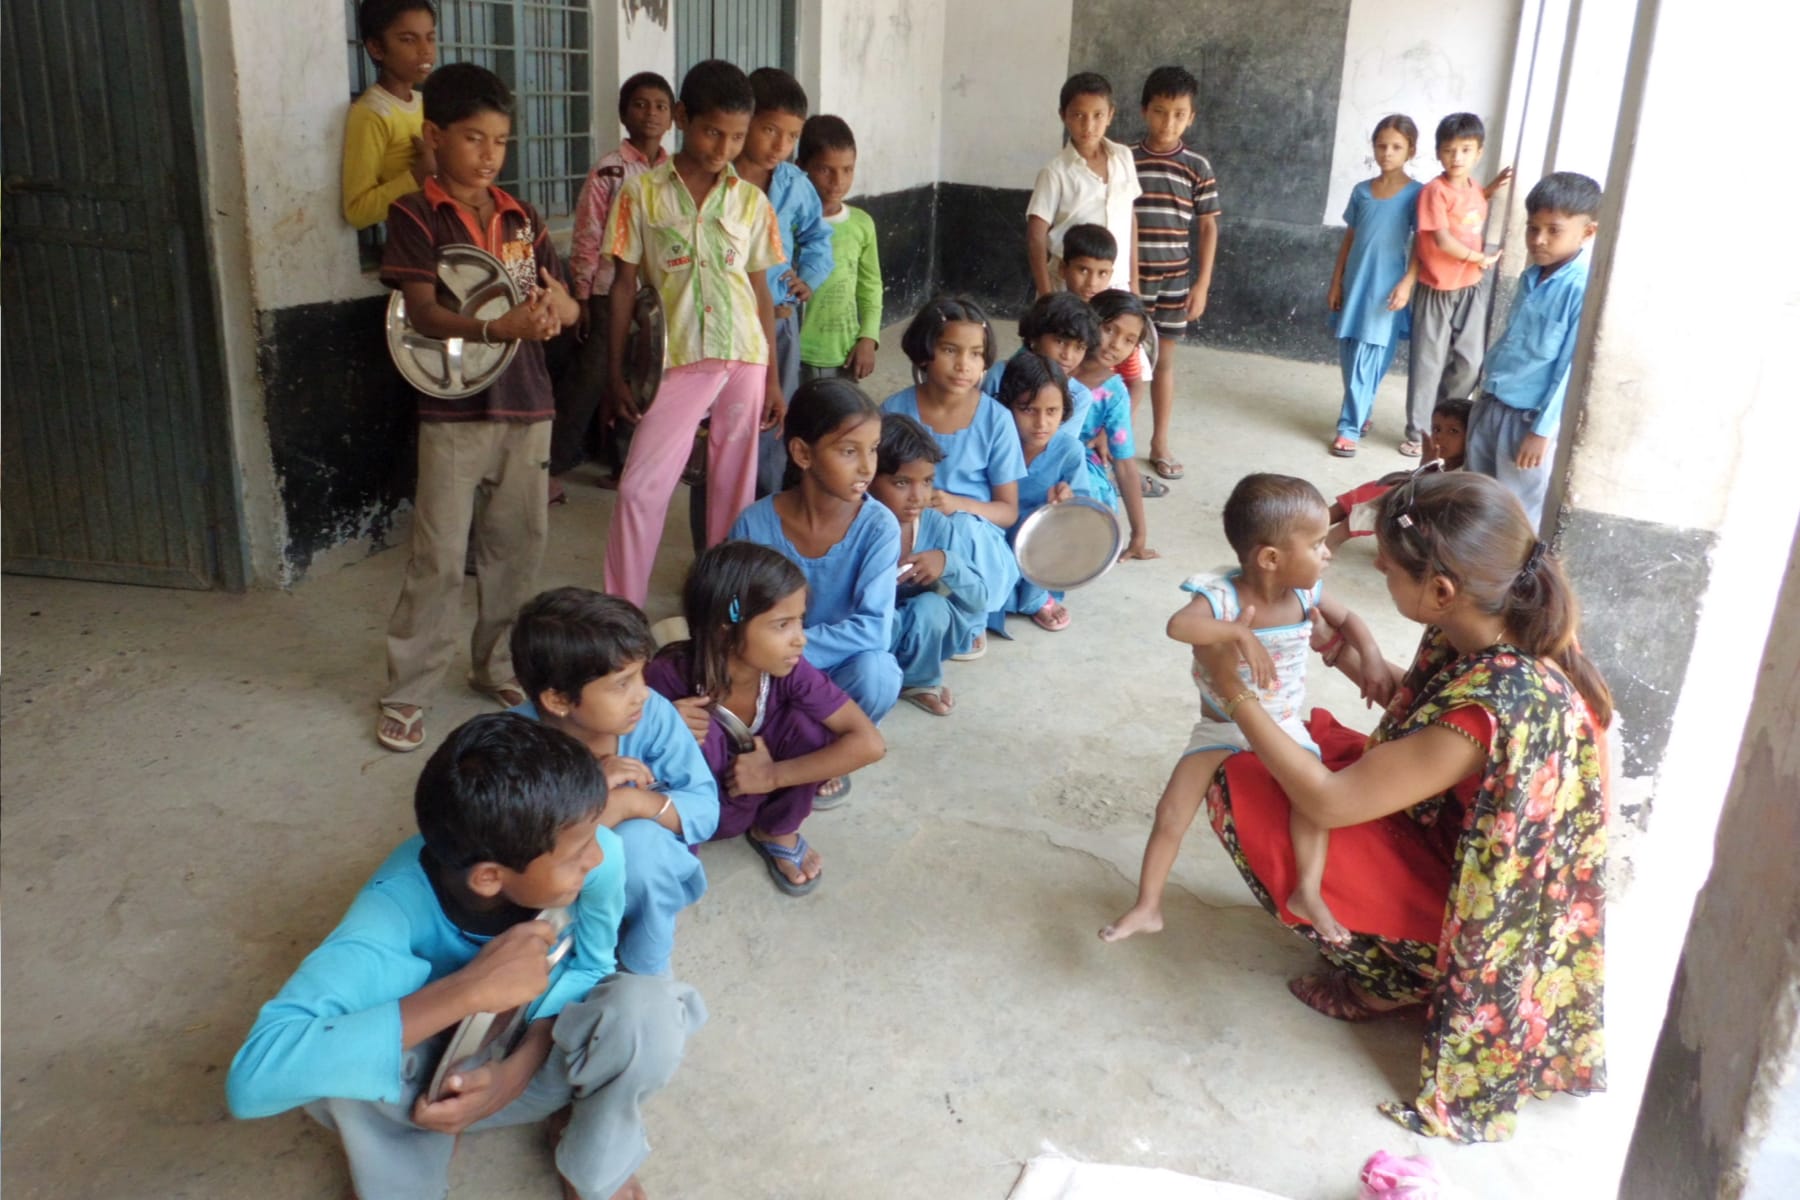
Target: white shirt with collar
{"type": "Point", "coordinates": [1067, 192]}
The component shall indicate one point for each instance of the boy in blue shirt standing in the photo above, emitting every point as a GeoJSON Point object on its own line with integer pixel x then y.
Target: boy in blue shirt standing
{"type": "Point", "coordinates": [1512, 431]}
{"type": "Point", "coordinates": [509, 815]}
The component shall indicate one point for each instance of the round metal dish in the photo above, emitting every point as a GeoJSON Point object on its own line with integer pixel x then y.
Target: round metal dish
{"type": "Point", "coordinates": [1063, 546]}
{"type": "Point", "coordinates": [486, 1037]}
{"type": "Point", "coordinates": [1152, 343]}
{"type": "Point", "coordinates": [475, 284]}
{"type": "Point", "coordinates": [645, 347]}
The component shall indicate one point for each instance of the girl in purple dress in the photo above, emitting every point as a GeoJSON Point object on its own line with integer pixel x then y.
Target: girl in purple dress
{"type": "Point", "coordinates": [745, 606]}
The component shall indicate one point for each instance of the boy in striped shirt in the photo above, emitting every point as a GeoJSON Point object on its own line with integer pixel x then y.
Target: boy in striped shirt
{"type": "Point", "coordinates": [1180, 199]}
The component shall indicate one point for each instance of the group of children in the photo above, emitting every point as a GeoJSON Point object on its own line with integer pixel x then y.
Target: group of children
{"type": "Point", "coordinates": [879, 551]}
{"type": "Point", "coordinates": [1414, 264]}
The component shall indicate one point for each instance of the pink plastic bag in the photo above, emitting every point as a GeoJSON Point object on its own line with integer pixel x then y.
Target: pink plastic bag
{"type": "Point", "coordinates": [1389, 1177]}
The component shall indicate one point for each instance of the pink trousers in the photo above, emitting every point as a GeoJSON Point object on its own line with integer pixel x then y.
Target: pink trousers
{"type": "Point", "coordinates": [733, 392]}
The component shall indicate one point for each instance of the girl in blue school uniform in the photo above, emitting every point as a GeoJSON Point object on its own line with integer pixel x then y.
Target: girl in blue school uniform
{"type": "Point", "coordinates": [1371, 287]}
{"type": "Point", "coordinates": [746, 613]}
{"type": "Point", "coordinates": [950, 344]}
{"type": "Point", "coordinates": [845, 545]}
{"type": "Point", "coordinates": [1112, 474]}
{"type": "Point", "coordinates": [1036, 391]}
{"type": "Point", "coordinates": [953, 572]}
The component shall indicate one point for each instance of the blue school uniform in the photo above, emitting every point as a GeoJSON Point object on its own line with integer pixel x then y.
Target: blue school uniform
{"type": "Point", "coordinates": [1368, 333]}
{"type": "Point", "coordinates": [1080, 399]}
{"type": "Point", "coordinates": [933, 623]}
{"type": "Point", "coordinates": [849, 599]}
{"type": "Point", "coordinates": [663, 876]}
{"type": "Point", "coordinates": [1062, 461]}
{"type": "Point", "coordinates": [333, 1031]}
{"type": "Point", "coordinates": [977, 458]}
{"type": "Point", "coordinates": [1111, 412]}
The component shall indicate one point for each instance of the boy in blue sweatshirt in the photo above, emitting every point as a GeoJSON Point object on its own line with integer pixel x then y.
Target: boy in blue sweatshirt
{"type": "Point", "coordinates": [1512, 430]}
{"type": "Point", "coordinates": [509, 814]}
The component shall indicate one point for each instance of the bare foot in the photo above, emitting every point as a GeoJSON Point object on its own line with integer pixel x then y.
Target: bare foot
{"type": "Point", "coordinates": [1138, 919]}
{"type": "Point", "coordinates": [809, 865]}
{"type": "Point", "coordinates": [632, 1190]}
{"type": "Point", "coordinates": [1311, 908]}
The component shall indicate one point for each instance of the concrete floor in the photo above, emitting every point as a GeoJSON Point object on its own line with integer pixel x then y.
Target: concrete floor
{"type": "Point", "coordinates": [193, 793]}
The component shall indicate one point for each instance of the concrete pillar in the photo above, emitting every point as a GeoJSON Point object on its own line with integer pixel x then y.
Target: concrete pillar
{"type": "Point", "coordinates": [1721, 1110]}
{"type": "Point", "coordinates": [1677, 518]}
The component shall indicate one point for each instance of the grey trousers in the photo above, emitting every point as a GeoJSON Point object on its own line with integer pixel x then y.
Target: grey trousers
{"type": "Point", "coordinates": [506, 465]}
{"type": "Point", "coordinates": [771, 449]}
{"type": "Point", "coordinates": [808, 373]}
{"type": "Point", "coordinates": [1492, 447]}
{"type": "Point", "coordinates": [1449, 341]}
{"type": "Point", "coordinates": [612, 1051]}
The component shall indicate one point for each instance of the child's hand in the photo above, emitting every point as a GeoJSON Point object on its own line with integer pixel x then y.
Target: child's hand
{"type": "Point", "coordinates": [1379, 682]}
{"type": "Point", "coordinates": [1497, 182]}
{"type": "Point", "coordinates": [797, 286]}
{"type": "Point", "coordinates": [1401, 296]}
{"type": "Point", "coordinates": [752, 773]}
{"type": "Point", "coordinates": [1488, 260]}
{"type": "Point", "coordinates": [529, 321]}
{"type": "Point", "coordinates": [1334, 299]}
{"type": "Point", "coordinates": [927, 567]}
{"type": "Point", "coordinates": [1196, 305]}
{"type": "Point", "coordinates": [774, 406]}
{"type": "Point", "coordinates": [1060, 493]}
{"type": "Point", "coordinates": [1137, 550]}
{"type": "Point", "coordinates": [862, 359]}
{"type": "Point", "coordinates": [1101, 448]}
{"type": "Point", "coordinates": [1253, 652]}
{"type": "Point", "coordinates": [625, 772]}
{"type": "Point", "coordinates": [563, 307]}
{"type": "Point", "coordinates": [944, 502]}
{"type": "Point", "coordinates": [620, 402]}
{"type": "Point", "coordinates": [473, 1095]}
{"type": "Point", "coordinates": [1531, 452]}
{"type": "Point", "coordinates": [696, 714]}
{"type": "Point", "coordinates": [424, 163]}
{"type": "Point", "coordinates": [510, 970]}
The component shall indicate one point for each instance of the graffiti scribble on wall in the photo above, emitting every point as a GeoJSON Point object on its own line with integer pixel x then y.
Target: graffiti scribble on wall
{"type": "Point", "coordinates": [656, 10]}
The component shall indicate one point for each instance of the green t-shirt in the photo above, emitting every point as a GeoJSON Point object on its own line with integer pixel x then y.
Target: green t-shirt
{"type": "Point", "coordinates": [847, 306]}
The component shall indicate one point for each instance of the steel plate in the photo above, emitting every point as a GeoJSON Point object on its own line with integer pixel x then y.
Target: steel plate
{"type": "Point", "coordinates": [645, 347]}
{"type": "Point", "coordinates": [475, 284]}
{"type": "Point", "coordinates": [485, 1037]}
{"type": "Point", "coordinates": [1063, 546]}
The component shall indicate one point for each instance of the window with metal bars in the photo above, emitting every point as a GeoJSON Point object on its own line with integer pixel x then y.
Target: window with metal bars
{"type": "Point", "coordinates": [542, 49]}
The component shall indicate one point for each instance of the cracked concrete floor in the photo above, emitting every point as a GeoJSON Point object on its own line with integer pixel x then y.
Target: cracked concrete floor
{"type": "Point", "coordinates": [192, 795]}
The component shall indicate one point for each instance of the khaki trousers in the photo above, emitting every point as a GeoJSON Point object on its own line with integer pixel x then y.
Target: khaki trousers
{"type": "Point", "coordinates": [507, 464]}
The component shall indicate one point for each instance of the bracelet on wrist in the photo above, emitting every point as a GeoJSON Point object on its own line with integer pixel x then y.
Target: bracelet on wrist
{"type": "Point", "coordinates": [485, 340]}
{"type": "Point", "coordinates": [667, 800]}
{"type": "Point", "coordinates": [1333, 649]}
{"type": "Point", "coordinates": [1230, 707]}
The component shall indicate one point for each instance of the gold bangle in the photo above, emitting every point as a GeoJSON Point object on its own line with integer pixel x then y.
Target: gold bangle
{"type": "Point", "coordinates": [1230, 707]}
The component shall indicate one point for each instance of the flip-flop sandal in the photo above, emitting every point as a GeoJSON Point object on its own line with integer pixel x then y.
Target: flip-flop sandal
{"type": "Point", "coordinates": [1044, 618]}
{"type": "Point", "coordinates": [1168, 468]}
{"type": "Point", "coordinates": [1343, 447]}
{"type": "Point", "coordinates": [1330, 993]}
{"type": "Point", "coordinates": [916, 696]}
{"type": "Point", "coordinates": [405, 743]}
{"type": "Point", "coordinates": [975, 650]}
{"type": "Point", "coordinates": [1153, 488]}
{"type": "Point", "coordinates": [1410, 449]}
{"type": "Point", "coordinates": [506, 695]}
{"type": "Point", "coordinates": [824, 803]}
{"type": "Point", "coordinates": [774, 854]}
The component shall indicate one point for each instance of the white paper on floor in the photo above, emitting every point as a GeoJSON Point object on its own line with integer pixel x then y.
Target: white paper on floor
{"type": "Point", "coordinates": [1052, 1177]}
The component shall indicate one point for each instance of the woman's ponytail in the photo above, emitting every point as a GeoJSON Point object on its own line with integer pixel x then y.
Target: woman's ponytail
{"type": "Point", "coordinates": [1469, 528]}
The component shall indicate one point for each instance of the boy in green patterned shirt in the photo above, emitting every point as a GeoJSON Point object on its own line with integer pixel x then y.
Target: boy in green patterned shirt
{"type": "Point", "coordinates": [842, 329]}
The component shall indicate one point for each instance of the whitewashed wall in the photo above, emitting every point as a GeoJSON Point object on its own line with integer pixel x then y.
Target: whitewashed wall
{"type": "Point", "coordinates": [1004, 63]}
{"type": "Point", "coordinates": [643, 45]}
{"type": "Point", "coordinates": [1424, 58]}
{"type": "Point", "coordinates": [879, 64]}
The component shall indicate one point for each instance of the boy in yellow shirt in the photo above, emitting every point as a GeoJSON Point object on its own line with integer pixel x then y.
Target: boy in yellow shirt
{"type": "Point", "coordinates": [384, 154]}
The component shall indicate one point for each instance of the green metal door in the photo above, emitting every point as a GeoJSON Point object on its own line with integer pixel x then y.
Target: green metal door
{"type": "Point", "coordinates": [117, 461]}
{"type": "Point", "coordinates": [750, 33]}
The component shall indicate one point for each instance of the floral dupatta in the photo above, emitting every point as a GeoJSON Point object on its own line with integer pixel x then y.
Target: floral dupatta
{"type": "Point", "coordinates": [1517, 1009]}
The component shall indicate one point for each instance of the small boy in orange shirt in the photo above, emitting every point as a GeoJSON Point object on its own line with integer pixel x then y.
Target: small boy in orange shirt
{"type": "Point", "coordinates": [1449, 306]}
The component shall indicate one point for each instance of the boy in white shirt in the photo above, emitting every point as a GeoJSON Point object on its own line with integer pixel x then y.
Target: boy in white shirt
{"type": "Point", "coordinates": [1092, 181]}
